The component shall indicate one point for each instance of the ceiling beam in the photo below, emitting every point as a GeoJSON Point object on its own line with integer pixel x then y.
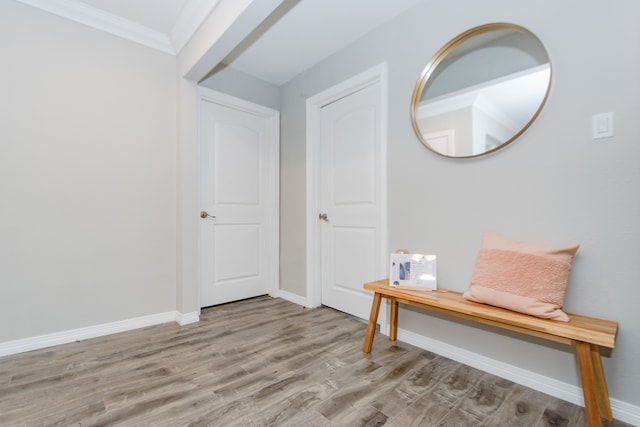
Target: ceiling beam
{"type": "Point", "coordinates": [229, 24]}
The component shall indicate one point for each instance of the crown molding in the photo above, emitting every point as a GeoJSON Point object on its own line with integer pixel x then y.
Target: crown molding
{"type": "Point", "coordinates": [189, 21]}
{"type": "Point", "coordinates": [107, 22]}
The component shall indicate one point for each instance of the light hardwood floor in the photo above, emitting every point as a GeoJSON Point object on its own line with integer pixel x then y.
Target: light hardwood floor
{"type": "Point", "coordinates": [261, 362]}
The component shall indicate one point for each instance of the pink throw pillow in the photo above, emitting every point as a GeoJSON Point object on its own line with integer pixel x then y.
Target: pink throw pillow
{"type": "Point", "coordinates": [522, 277]}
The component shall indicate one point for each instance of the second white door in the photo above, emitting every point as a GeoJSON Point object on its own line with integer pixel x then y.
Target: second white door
{"type": "Point", "coordinates": [351, 197]}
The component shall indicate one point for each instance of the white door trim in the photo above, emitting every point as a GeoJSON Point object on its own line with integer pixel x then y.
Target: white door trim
{"type": "Point", "coordinates": [377, 74]}
{"type": "Point", "coordinates": [273, 185]}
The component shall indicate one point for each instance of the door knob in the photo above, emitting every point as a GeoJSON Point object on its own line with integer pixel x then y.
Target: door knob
{"type": "Point", "coordinates": [204, 214]}
{"type": "Point", "coordinates": [324, 217]}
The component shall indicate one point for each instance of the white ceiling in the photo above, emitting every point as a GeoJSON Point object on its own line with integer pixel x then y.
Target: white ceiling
{"type": "Point", "coordinates": [308, 32]}
{"type": "Point", "coordinates": [311, 31]}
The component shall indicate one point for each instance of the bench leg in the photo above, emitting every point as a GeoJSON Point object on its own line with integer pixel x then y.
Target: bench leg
{"type": "Point", "coordinates": [393, 327]}
{"type": "Point", "coordinates": [373, 320]}
{"type": "Point", "coordinates": [601, 384]}
{"type": "Point", "coordinates": [594, 387]}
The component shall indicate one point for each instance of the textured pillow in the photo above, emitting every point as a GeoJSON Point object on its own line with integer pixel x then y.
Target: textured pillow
{"type": "Point", "coordinates": [522, 277]}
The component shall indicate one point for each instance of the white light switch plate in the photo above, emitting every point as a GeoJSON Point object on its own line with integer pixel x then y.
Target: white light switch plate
{"type": "Point", "coordinates": [602, 125]}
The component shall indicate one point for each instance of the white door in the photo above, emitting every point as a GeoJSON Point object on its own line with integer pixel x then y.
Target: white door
{"type": "Point", "coordinates": [352, 198]}
{"type": "Point", "coordinates": [238, 196]}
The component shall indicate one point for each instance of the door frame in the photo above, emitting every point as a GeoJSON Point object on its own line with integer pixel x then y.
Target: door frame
{"type": "Point", "coordinates": [376, 74]}
{"type": "Point", "coordinates": [272, 199]}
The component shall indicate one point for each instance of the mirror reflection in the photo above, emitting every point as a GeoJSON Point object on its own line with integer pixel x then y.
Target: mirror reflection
{"type": "Point", "coordinates": [481, 91]}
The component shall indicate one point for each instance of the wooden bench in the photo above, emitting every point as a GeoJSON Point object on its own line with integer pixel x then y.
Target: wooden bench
{"type": "Point", "coordinates": [586, 334]}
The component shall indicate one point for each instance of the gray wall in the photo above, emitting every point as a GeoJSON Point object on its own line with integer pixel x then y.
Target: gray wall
{"type": "Point", "coordinates": [554, 186]}
{"type": "Point", "coordinates": [87, 176]}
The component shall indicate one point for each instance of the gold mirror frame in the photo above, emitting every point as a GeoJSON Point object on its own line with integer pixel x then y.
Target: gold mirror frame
{"type": "Point", "coordinates": [460, 45]}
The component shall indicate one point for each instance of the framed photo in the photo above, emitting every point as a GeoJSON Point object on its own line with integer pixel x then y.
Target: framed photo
{"type": "Point", "coordinates": [413, 271]}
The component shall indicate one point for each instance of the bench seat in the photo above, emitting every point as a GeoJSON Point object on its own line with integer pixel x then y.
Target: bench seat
{"type": "Point", "coordinates": [587, 334]}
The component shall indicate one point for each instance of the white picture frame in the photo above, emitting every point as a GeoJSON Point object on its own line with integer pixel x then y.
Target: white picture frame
{"type": "Point", "coordinates": [413, 271]}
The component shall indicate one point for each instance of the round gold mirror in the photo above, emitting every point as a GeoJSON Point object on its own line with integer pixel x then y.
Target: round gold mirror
{"type": "Point", "coordinates": [481, 91]}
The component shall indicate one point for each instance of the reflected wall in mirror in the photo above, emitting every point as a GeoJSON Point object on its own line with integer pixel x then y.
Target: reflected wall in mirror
{"type": "Point", "coordinates": [481, 90]}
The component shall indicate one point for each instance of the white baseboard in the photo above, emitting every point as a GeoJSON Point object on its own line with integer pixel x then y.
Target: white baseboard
{"type": "Point", "coordinates": [626, 412]}
{"type": "Point", "coordinates": [296, 299]}
{"type": "Point", "coordinates": [183, 319]}
{"type": "Point", "coordinates": [621, 410]}
{"type": "Point", "coordinates": [43, 341]}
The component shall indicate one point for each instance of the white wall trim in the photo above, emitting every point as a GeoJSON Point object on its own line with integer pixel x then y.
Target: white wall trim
{"type": "Point", "coordinates": [183, 319]}
{"type": "Point", "coordinates": [296, 299]}
{"type": "Point", "coordinates": [621, 410]}
{"type": "Point", "coordinates": [189, 21]}
{"type": "Point", "coordinates": [43, 341]}
{"type": "Point", "coordinates": [104, 21]}
{"type": "Point", "coordinates": [625, 412]}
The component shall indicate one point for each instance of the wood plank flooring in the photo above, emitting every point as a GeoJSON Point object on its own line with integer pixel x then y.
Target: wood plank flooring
{"type": "Point", "coordinates": [261, 362]}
